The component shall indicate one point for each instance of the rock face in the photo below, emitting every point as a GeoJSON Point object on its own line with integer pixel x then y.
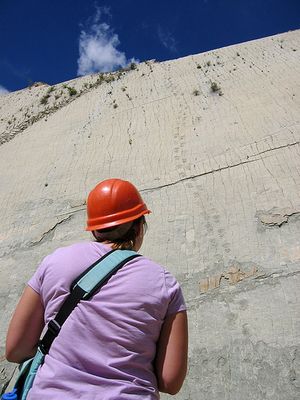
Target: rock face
{"type": "Point", "coordinates": [212, 140]}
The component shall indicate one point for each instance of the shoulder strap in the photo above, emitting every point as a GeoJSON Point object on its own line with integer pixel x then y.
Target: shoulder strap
{"type": "Point", "coordinates": [83, 288]}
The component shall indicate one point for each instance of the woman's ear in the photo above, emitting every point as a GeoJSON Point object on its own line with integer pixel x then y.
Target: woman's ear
{"type": "Point", "coordinates": [140, 228]}
{"type": "Point", "coordinates": [139, 236]}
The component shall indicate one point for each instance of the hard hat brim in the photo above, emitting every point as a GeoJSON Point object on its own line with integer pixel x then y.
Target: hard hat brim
{"type": "Point", "coordinates": [98, 225]}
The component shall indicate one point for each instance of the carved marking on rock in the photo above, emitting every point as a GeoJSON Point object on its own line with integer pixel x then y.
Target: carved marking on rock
{"type": "Point", "coordinates": [234, 275]}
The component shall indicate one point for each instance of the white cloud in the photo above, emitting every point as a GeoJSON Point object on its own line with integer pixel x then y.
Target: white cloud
{"type": "Point", "coordinates": [167, 40]}
{"type": "Point", "coordinates": [3, 90]}
{"type": "Point", "coordinates": [98, 48]}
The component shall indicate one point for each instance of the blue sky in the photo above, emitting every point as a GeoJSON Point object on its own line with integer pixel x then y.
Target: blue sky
{"type": "Point", "coordinates": [56, 40]}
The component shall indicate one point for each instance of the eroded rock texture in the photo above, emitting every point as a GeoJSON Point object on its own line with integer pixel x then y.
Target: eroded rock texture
{"type": "Point", "coordinates": [212, 141]}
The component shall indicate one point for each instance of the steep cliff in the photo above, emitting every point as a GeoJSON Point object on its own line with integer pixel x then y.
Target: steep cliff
{"type": "Point", "coordinates": [212, 140]}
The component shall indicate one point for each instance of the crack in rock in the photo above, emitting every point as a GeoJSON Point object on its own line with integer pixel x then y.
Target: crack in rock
{"type": "Point", "coordinates": [197, 176]}
{"type": "Point", "coordinates": [279, 274]}
{"type": "Point", "coordinates": [278, 148]}
{"type": "Point", "coordinates": [276, 217]}
{"type": "Point", "coordinates": [49, 234]}
{"type": "Point", "coordinates": [235, 275]}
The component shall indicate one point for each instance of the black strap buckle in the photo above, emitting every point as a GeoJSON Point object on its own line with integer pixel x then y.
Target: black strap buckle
{"type": "Point", "coordinates": [54, 327]}
{"type": "Point", "coordinates": [42, 347]}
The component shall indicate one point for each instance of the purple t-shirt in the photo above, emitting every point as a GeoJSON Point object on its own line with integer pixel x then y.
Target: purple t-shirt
{"type": "Point", "coordinates": [106, 347]}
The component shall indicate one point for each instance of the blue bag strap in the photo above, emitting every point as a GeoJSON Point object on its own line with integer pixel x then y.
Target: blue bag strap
{"type": "Point", "coordinates": [84, 287]}
{"type": "Point", "coordinates": [100, 272]}
{"type": "Point", "coordinates": [33, 365]}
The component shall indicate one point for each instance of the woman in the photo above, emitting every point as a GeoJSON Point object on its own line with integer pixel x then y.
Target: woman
{"type": "Point", "coordinates": [129, 341]}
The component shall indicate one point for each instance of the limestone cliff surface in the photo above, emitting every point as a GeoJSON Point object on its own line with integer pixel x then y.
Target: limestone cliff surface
{"type": "Point", "coordinates": [212, 141]}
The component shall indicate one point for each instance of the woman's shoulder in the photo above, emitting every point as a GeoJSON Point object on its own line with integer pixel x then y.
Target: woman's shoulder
{"type": "Point", "coordinates": [78, 248]}
{"type": "Point", "coordinates": [152, 268]}
{"type": "Point", "coordinates": [156, 276]}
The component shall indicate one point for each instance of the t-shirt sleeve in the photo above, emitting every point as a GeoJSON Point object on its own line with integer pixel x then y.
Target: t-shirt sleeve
{"type": "Point", "coordinates": [176, 299]}
{"type": "Point", "coordinates": [35, 282]}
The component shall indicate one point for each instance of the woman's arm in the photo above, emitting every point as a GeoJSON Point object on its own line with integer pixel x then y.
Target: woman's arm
{"type": "Point", "coordinates": [171, 357]}
{"type": "Point", "coordinates": [25, 327]}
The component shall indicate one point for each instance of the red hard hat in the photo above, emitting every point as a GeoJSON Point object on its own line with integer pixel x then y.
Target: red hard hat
{"type": "Point", "coordinates": [113, 202]}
